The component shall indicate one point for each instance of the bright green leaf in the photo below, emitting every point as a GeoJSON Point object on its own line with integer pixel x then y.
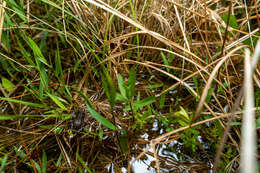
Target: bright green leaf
{"type": "Point", "coordinates": [121, 85]}
{"type": "Point", "coordinates": [109, 88]}
{"type": "Point", "coordinates": [209, 95]}
{"type": "Point", "coordinates": [57, 101]}
{"type": "Point", "coordinates": [59, 160]}
{"type": "Point", "coordinates": [139, 104]}
{"type": "Point", "coordinates": [120, 97]}
{"type": "Point", "coordinates": [37, 166]}
{"type": "Point", "coordinates": [7, 84]}
{"type": "Point", "coordinates": [101, 119]}
{"type": "Point", "coordinates": [183, 114]}
{"type": "Point", "coordinates": [236, 124]}
{"type": "Point", "coordinates": [3, 162]}
{"type": "Point", "coordinates": [232, 21]}
{"type": "Point", "coordinates": [100, 134]}
{"type": "Point", "coordinates": [11, 117]}
{"type": "Point", "coordinates": [153, 86]}
{"type": "Point", "coordinates": [123, 141]}
{"type": "Point", "coordinates": [162, 100]}
{"type": "Point", "coordinates": [258, 122]}
{"type": "Point", "coordinates": [165, 61]}
{"type": "Point", "coordinates": [37, 51]}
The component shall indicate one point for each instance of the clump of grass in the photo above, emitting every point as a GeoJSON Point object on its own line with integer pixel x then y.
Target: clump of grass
{"type": "Point", "coordinates": [164, 69]}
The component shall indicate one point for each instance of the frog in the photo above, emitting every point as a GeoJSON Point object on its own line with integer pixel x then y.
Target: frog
{"type": "Point", "coordinates": [77, 121]}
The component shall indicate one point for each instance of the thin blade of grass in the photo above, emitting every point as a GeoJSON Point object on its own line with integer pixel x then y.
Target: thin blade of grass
{"type": "Point", "coordinates": [144, 102]}
{"type": "Point", "coordinates": [59, 160]}
{"type": "Point", "coordinates": [7, 84]}
{"type": "Point", "coordinates": [3, 162]}
{"type": "Point", "coordinates": [12, 117]}
{"type": "Point", "coordinates": [37, 166]}
{"type": "Point", "coordinates": [131, 84]}
{"type": "Point", "coordinates": [101, 119]}
{"type": "Point", "coordinates": [121, 85]}
{"type": "Point", "coordinates": [24, 102]}
{"type": "Point", "coordinates": [44, 162]}
{"type": "Point", "coordinates": [57, 101]}
{"type": "Point", "coordinates": [83, 163]}
{"type": "Point", "coordinates": [165, 61]}
{"type": "Point", "coordinates": [109, 88]}
{"type": "Point", "coordinates": [123, 143]}
{"type": "Point", "coordinates": [37, 51]}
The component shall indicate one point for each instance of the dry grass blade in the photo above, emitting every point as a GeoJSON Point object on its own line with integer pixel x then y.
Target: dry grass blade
{"type": "Point", "coordinates": [2, 11]}
{"type": "Point", "coordinates": [240, 40]}
{"type": "Point", "coordinates": [248, 148]}
{"type": "Point", "coordinates": [248, 24]}
{"type": "Point", "coordinates": [214, 72]}
{"type": "Point", "coordinates": [138, 25]}
{"type": "Point", "coordinates": [164, 72]}
{"type": "Point", "coordinates": [64, 152]}
{"type": "Point", "coordinates": [182, 29]}
{"type": "Point", "coordinates": [255, 59]}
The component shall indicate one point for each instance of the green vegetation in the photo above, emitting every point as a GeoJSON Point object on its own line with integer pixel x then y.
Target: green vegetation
{"type": "Point", "coordinates": [88, 86]}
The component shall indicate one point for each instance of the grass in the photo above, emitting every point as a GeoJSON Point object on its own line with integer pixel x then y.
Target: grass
{"type": "Point", "coordinates": [122, 70]}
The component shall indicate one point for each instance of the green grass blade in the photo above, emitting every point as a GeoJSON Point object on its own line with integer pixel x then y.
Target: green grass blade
{"type": "Point", "coordinates": [109, 88]}
{"type": "Point", "coordinates": [101, 119]}
{"type": "Point", "coordinates": [58, 66]}
{"type": "Point", "coordinates": [121, 85]}
{"type": "Point", "coordinates": [25, 53]}
{"type": "Point", "coordinates": [59, 160]}
{"type": "Point", "coordinates": [37, 51]}
{"type": "Point", "coordinates": [44, 162]}
{"type": "Point", "coordinates": [153, 86]}
{"type": "Point", "coordinates": [165, 61]}
{"type": "Point", "coordinates": [211, 90]}
{"type": "Point", "coordinates": [24, 102]}
{"type": "Point", "coordinates": [123, 141]}
{"type": "Point", "coordinates": [3, 162]}
{"type": "Point", "coordinates": [85, 98]}
{"type": "Point", "coordinates": [7, 84]}
{"type": "Point", "coordinates": [12, 117]}
{"type": "Point", "coordinates": [41, 87]}
{"type": "Point", "coordinates": [83, 163]}
{"type": "Point", "coordinates": [139, 104]}
{"type": "Point", "coordinates": [131, 84]}
{"type": "Point", "coordinates": [144, 102]}
{"type": "Point", "coordinates": [57, 101]}
{"type": "Point", "coordinates": [37, 166]}
{"type": "Point", "coordinates": [44, 76]}
{"type": "Point", "coordinates": [43, 41]}
{"type": "Point", "coordinates": [162, 100]}
{"type": "Point", "coordinates": [121, 98]}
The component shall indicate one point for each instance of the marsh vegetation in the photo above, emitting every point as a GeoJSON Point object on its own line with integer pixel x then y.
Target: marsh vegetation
{"type": "Point", "coordinates": [124, 85]}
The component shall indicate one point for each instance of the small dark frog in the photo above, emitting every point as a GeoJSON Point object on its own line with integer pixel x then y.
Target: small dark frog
{"type": "Point", "coordinates": [77, 121]}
